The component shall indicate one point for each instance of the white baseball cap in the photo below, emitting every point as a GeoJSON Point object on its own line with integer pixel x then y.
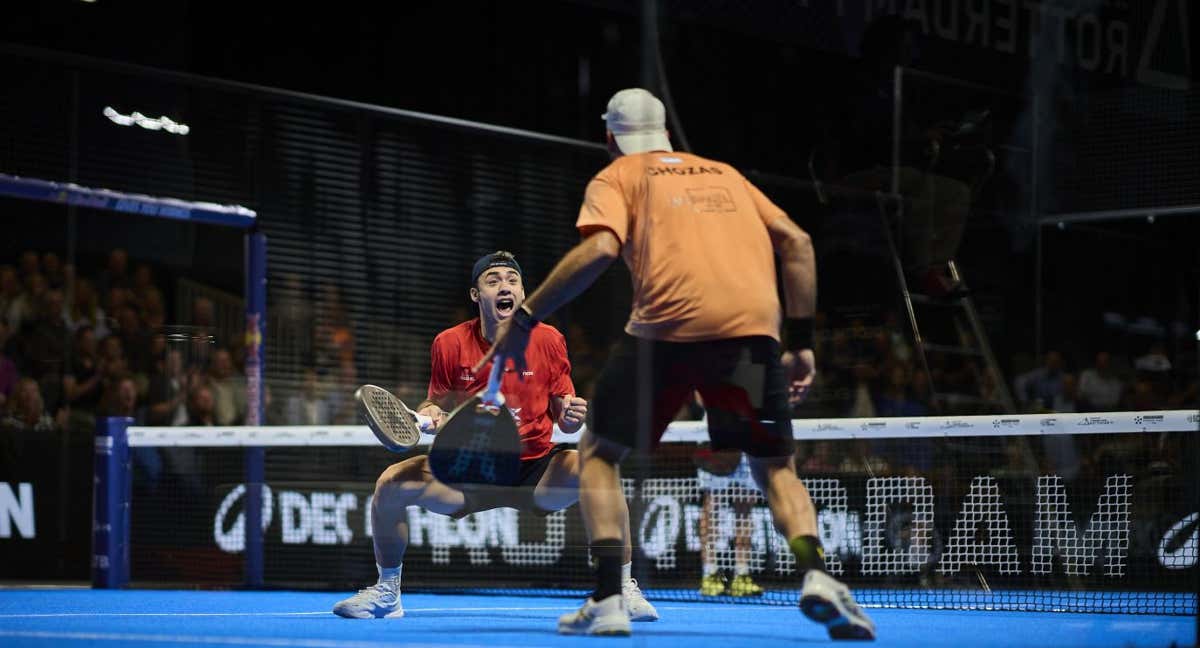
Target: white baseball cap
{"type": "Point", "coordinates": [638, 121]}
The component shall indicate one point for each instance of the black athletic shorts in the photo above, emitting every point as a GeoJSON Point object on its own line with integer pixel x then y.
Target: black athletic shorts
{"type": "Point", "coordinates": [518, 496]}
{"type": "Point", "coordinates": [741, 380]}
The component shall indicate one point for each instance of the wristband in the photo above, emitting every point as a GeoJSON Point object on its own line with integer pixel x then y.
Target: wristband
{"type": "Point", "coordinates": [524, 318]}
{"type": "Point", "coordinates": [799, 332]}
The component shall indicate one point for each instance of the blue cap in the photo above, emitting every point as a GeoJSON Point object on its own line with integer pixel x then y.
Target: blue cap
{"type": "Point", "coordinates": [497, 259]}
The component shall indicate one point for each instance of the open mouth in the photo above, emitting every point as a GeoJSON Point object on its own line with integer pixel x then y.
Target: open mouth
{"type": "Point", "coordinates": [505, 306]}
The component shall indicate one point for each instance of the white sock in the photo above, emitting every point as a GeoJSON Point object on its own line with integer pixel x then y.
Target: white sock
{"type": "Point", "coordinates": [627, 572]}
{"type": "Point", "coordinates": [709, 569]}
{"type": "Point", "coordinates": [390, 575]}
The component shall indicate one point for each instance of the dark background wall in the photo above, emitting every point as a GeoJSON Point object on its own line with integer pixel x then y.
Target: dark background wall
{"type": "Point", "coordinates": [757, 84]}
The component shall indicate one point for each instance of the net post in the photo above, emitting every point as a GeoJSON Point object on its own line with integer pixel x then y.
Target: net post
{"type": "Point", "coordinates": [110, 504]}
{"type": "Point", "coordinates": [256, 315]}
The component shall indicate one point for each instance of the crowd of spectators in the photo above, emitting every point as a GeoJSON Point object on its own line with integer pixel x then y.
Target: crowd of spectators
{"type": "Point", "coordinates": [74, 346]}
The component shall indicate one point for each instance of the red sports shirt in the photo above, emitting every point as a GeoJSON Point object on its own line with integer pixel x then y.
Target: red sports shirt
{"type": "Point", "coordinates": [547, 373]}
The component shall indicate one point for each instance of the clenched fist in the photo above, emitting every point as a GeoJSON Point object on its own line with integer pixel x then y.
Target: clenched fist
{"type": "Point", "coordinates": [574, 412]}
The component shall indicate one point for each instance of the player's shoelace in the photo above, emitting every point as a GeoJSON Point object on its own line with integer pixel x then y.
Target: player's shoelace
{"type": "Point", "coordinates": [378, 589]}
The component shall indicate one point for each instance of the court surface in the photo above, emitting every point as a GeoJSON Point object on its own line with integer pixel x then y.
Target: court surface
{"type": "Point", "coordinates": [69, 617]}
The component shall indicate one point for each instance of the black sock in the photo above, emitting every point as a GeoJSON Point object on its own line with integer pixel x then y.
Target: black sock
{"type": "Point", "coordinates": [609, 556]}
{"type": "Point", "coordinates": [809, 553]}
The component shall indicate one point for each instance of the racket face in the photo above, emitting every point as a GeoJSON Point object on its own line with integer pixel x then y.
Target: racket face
{"type": "Point", "coordinates": [477, 445]}
{"type": "Point", "coordinates": [388, 418]}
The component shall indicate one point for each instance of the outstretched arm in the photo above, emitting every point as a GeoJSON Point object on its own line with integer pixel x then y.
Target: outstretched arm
{"type": "Point", "coordinates": [573, 274]}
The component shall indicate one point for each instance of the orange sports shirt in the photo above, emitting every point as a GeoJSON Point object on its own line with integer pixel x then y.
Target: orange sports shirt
{"type": "Point", "coordinates": [694, 234]}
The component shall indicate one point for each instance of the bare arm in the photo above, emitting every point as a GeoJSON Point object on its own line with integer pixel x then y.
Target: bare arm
{"type": "Point", "coordinates": [795, 250]}
{"type": "Point", "coordinates": [573, 274]}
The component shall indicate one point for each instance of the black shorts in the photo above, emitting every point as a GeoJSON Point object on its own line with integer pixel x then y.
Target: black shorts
{"type": "Point", "coordinates": [741, 380]}
{"type": "Point", "coordinates": [518, 496]}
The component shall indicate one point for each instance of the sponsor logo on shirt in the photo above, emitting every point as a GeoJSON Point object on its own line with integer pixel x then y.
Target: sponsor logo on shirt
{"type": "Point", "coordinates": [683, 171]}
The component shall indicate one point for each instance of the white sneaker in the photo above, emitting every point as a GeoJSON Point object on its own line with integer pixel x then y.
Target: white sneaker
{"type": "Point", "coordinates": [379, 601]}
{"type": "Point", "coordinates": [636, 605]}
{"type": "Point", "coordinates": [827, 601]}
{"type": "Point", "coordinates": [606, 617]}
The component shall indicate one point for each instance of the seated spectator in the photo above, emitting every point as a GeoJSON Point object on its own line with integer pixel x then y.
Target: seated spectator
{"type": "Point", "coordinates": [41, 347]}
{"type": "Point", "coordinates": [28, 411]}
{"type": "Point", "coordinates": [1036, 389]}
{"type": "Point", "coordinates": [116, 274]}
{"type": "Point", "coordinates": [333, 333]}
{"type": "Point", "coordinates": [341, 398]}
{"type": "Point", "coordinates": [1145, 395]}
{"type": "Point", "coordinates": [81, 383]}
{"type": "Point", "coordinates": [228, 389]}
{"type": "Point", "coordinates": [55, 273]}
{"type": "Point", "coordinates": [133, 338]}
{"type": "Point", "coordinates": [200, 406]}
{"type": "Point", "coordinates": [204, 314]}
{"type": "Point", "coordinates": [1100, 389]}
{"type": "Point", "coordinates": [820, 459]}
{"type": "Point", "coordinates": [1067, 401]}
{"type": "Point", "coordinates": [309, 406]}
{"type": "Point", "coordinates": [85, 310]}
{"type": "Point", "coordinates": [8, 369]}
{"type": "Point", "coordinates": [863, 405]}
{"type": "Point", "coordinates": [894, 399]}
{"type": "Point", "coordinates": [10, 289]}
{"type": "Point", "coordinates": [154, 314]}
{"type": "Point", "coordinates": [1186, 396]}
{"type": "Point", "coordinates": [30, 264]}
{"type": "Point", "coordinates": [166, 397]}
{"type": "Point", "coordinates": [1155, 360]}
{"type": "Point", "coordinates": [23, 309]}
{"type": "Point", "coordinates": [1153, 378]}
{"type": "Point", "coordinates": [113, 364]}
{"type": "Point", "coordinates": [122, 400]}
{"type": "Point", "coordinates": [143, 283]}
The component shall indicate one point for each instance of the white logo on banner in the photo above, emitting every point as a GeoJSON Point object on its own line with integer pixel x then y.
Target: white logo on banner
{"type": "Point", "coordinates": [233, 540]}
{"type": "Point", "coordinates": [16, 510]}
{"type": "Point", "coordinates": [893, 534]}
{"type": "Point", "coordinates": [1184, 555]}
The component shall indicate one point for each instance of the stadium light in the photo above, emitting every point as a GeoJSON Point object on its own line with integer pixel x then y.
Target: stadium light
{"type": "Point", "coordinates": [149, 123]}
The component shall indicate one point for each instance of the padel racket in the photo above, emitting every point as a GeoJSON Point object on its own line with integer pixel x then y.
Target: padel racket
{"type": "Point", "coordinates": [479, 443]}
{"type": "Point", "coordinates": [396, 426]}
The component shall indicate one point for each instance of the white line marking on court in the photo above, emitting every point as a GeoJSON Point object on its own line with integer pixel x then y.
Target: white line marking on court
{"type": "Point", "coordinates": [235, 641]}
{"type": "Point", "coordinates": [157, 614]}
{"type": "Point", "coordinates": [270, 614]}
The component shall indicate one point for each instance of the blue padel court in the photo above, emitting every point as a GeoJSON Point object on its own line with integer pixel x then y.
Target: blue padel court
{"type": "Point", "coordinates": [78, 617]}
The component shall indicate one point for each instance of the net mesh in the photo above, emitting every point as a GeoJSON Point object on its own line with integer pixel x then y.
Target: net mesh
{"type": "Point", "coordinates": [1074, 522]}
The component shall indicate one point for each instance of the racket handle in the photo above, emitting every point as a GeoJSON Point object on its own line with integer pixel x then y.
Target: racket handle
{"type": "Point", "coordinates": [492, 395]}
{"type": "Point", "coordinates": [424, 423]}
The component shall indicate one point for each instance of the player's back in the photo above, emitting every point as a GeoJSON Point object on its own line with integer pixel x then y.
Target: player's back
{"type": "Point", "coordinates": [697, 246]}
